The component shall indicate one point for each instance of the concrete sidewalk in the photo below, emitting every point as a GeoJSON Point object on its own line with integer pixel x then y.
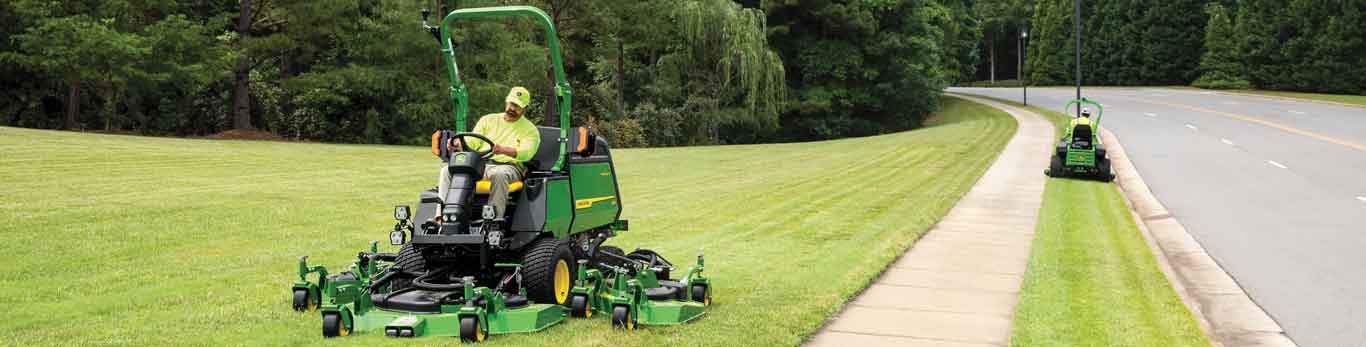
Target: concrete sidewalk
{"type": "Point", "coordinates": [958, 285]}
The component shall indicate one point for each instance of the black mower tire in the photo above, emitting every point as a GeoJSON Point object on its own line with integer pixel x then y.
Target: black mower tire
{"type": "Point", "coordinates": [579, 307]}
{"type": "Point", "coordinates": [412, 264]}
{"type": "Point", "coordinates": [470, 330]}
{"type": "Point", "coordinates": [334, 326]}
{"type": "Point", "coordinates": [541, 264]}
{"type": "Point", "coordinates": [1103, 167]}
{"type": "Point", "coordinates": [699, 294]}
{"type": "Point", "coordinates": [303, 301]}
{"type": "Point", "coordinates": [1055, 168]}
{"type": "Point", "coordinates": [621, 318]}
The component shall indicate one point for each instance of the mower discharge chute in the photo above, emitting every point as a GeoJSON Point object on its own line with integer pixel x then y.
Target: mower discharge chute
{"type": "Point", "coordinates": [464, 273]}
{"type": "Point", "coordinates": [1080, 153]}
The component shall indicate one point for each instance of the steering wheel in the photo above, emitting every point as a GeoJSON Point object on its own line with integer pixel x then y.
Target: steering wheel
{"type": "Point", "coordinates": [486, 153]}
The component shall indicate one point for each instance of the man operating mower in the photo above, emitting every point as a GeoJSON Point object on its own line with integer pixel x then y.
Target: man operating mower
{"type": "Point", "coordinates": [515, 141]}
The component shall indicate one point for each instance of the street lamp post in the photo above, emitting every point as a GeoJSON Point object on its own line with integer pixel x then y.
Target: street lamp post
{"type": "Point", "coordinates": [1019, 67]}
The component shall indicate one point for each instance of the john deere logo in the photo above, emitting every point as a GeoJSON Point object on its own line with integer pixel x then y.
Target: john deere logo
{"type": "Point", "coordinates": [460, 159]}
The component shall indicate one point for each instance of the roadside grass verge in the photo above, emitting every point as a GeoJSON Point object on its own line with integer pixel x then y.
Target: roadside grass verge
{"type": "Point", "coordinates": [1359, 100]}
{"type": "Point", "coordinates": [142, 241]}
{"type": "Point", "coordinates": [990, 84]}
{"type": "Point", "coordinates": [1092, 280]}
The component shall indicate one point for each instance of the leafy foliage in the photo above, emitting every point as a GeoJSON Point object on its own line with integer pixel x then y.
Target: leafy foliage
{"type": "Point", "coordinates": [645, 73]}
{"type": "Point", "coordinates": [1294, 45]}
{"type": "Point", "coordinates": [1221, 66]}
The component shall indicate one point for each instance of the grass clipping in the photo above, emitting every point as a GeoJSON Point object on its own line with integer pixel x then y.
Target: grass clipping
{"type": "Point", "coordinates": [160, 241]}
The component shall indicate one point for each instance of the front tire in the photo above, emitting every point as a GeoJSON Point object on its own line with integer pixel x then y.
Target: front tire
{"type": "Point", "coordinates": [700, 294]}
{"type": "Point", "coordinates": [548, 271]}
{"type": "Point", "coordinates": [303, 301]}
{"type": "Point", "coordinates": [579, 307]}
{"type": "Point", "coordinates": [470, 331]}
{"type": "Point", "coordinates": [334, 326]}
{"type": "Point", "coordinates": [621, 318]}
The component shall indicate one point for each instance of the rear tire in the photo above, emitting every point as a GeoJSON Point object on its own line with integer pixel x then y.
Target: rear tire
{"type": "Point", "coordinates": [548, 271]}
{"type": "Point", "coordinates": [1055, 168]}
{"type": "Point", "coordinates": [1103, 166]}
{"type": "Point", "coordinates": [413, 265]}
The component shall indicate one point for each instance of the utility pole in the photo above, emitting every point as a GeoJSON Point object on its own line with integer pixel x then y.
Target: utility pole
{"type": "Point", "coordinates": [1019, 67]}
{"type": "Point", "coordinates": [1076, 20]}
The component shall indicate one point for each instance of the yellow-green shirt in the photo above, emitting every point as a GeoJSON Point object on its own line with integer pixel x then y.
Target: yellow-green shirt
{"type": "Point", "coordinates": [520, 134]}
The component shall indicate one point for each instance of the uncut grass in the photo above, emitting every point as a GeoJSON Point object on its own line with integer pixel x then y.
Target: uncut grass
{"type": "Point", "coordinates": [1092, 280]}
{"type": "Point", "coordinates": [143, 241]}
{"type": "Point", "coordinates": [1341, 98]}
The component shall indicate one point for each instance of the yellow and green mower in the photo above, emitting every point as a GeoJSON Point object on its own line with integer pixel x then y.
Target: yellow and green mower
{"type": "Point", "coordinates": [460, 272]}
{"type": "Point", "coordinates": [1080, 152]}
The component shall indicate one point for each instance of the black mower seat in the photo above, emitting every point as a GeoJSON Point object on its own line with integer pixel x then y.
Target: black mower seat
{"type": "Point", "coordinates": [417, 301]}
{"type": "Point", "coordinates": [543, 160]}
{"type": "Point", "coordinates": [549, 150]}
{"type": "Point", "coordinates": [1081, 136]}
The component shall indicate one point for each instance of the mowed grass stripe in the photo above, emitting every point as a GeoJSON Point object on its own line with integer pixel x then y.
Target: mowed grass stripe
{"type": "Point", "coordinates": [790, 230]}
{"type": "Point", "coordinates": [1092, 280]}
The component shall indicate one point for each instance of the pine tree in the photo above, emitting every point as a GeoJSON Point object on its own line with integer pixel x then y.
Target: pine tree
{"type": "Point", "coordinates": [1221, 66]}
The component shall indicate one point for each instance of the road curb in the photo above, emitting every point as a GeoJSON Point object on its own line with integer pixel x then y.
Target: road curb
{"type": "Point", "coordinates": [1286, 98]}
{"type": "Point", "coordinates": [1223, 309]}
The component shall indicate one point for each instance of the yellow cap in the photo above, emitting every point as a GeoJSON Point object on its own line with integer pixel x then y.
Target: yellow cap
{"type": "Point", "coordinates": [519, 96]}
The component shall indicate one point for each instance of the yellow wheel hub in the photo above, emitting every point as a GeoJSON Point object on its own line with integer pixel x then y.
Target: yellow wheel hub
{"type": "Point", "coordinates": [561, 281]}
{"type": "Point", "coordinates": [479, 332]}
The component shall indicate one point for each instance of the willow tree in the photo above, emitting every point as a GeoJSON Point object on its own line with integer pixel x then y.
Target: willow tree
{"type": "Point", "coordinates": [729, 45]}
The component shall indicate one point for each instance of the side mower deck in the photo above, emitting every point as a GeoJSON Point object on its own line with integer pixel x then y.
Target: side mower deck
{"type": "Point", "coordinates": [628, 288]}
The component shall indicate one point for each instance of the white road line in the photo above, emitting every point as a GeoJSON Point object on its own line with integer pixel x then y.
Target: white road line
{"type": "Point", "coordinates": [1206, 93]}
{"type": "Point", "coordinates": [1150, 114]}
{"type": "Point", "coordinates": [1192, 127]}
{"type": "Point", "coordinates": [1227, 142]}
{"type": "Point", "coordinates": [1362, 198]}
{"type": "Point", "coordinates": [1296, 112]}
{"type": "Point", "coordinates": [1230, 103]}
{"type": "Point", "coordinates": [1274, 163]}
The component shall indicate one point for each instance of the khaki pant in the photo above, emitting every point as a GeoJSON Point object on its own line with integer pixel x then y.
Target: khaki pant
{"type": "Point", "coordinates": [499, 176]}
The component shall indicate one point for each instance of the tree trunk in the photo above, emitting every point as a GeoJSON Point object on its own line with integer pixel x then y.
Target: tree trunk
{"type": "Point", "coordinates": [73, 102]}
{"type": "Point", "coordinates": [241, 103]}
{"type": "Point", "coordinates": [621, 80]}
{"type": "Point", "coordinates": [991, 46]}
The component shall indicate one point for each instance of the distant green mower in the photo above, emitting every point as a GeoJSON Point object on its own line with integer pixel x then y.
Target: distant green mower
{"type": "Point", "coordinates": [469, 275]}
{"type": "Point", "coordinates": [1080, 153]}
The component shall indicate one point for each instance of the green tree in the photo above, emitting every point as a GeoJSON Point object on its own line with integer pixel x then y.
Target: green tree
{"type": "Point", "coordinates": [1221, 66]}
{"type": "Point", "coordinates": [83, 50]}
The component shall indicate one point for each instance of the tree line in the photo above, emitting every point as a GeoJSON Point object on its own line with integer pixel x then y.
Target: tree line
{"type": "Point", "coordinates": [1296, 45]}
{"type": "Point", "coordinates": [645, 73]}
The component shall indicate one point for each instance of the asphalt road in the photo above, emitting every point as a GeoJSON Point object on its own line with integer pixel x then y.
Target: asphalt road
{"type": "Point", "coordinates": [1274, 190]}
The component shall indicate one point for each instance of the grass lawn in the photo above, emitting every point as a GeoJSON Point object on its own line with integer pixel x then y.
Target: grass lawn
{"type": "Point", "coordinates": [159, 241]}
{"type": "Point", "coordinates": [1092, 280]}
{"type": "Point", "coordinates": [1342, 98]}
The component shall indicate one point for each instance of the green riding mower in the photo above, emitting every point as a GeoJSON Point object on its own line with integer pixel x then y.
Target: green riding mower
{"type": "Point", "coordinates": [1080, 152]}
{"type": "Point", "coordinates": [461, 272]}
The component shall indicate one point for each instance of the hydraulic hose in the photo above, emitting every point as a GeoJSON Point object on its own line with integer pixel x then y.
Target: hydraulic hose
{"type": "Point", "coordinates": [423, 283]}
